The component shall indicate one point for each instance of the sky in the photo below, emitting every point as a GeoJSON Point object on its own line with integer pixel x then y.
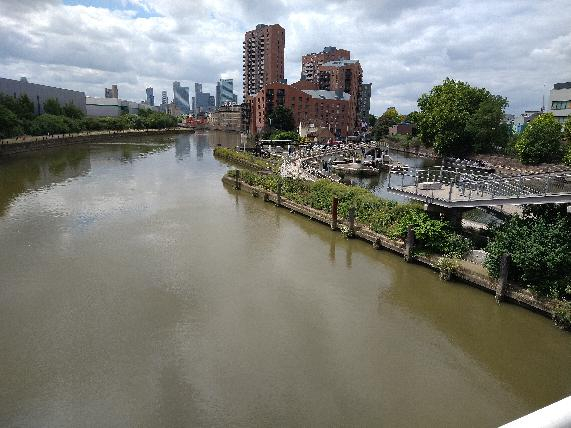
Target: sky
{"type": "Point", "coordinates": [514, 48]}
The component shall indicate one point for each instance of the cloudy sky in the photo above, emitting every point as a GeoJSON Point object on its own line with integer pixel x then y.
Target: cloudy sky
{"type": "Point", "coordinates": [516, 48]}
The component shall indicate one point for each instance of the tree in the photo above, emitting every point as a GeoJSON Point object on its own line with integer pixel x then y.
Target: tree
{"type": "Point", "coordinates": [282, 119]}
{"type": "Point", "coordinates": [10, 125]}
{"type": "Point", "coordinates": [446, 111]}
{"type": "Point", "coordinates": [540, 141]}
{"type": "Point", "coordinates": [71, 111]}
{"type": "Point", "coordinates": [540, 250]}
{"type": "Point", "coordinates": [485, 126]}
{"type": "Point", "coordinates": [285, 135]}
{"type": "Point", "coordinates": [567, 137]}
{"type": "Point", "coordinates": [52, 106]}
{"type": "Point", "coordinates": [389, 118]}
{"type": "Point", "coordinates": [371, 120]}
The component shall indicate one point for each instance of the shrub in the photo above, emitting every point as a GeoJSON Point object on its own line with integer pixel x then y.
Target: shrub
{"type": "Point", "coordinates": [540, 141]}
{"type": "Point", "coordinates": [540, 252]}
{"type": "Point", "coordinates": [447, 267]}
{"type": "Point", "coordinates": [562, 315]}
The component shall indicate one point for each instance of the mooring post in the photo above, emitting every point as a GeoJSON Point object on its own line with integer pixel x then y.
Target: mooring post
{"type": "Point", "coordinates": [409, 244]}
{"type": "Point", "coordinates": [351, 221]}
{"type": "Point", "coordinates": [503, 279]}
{"type": "Point", "coordinates": [237, 178]}
{"type": "Point", "coordinates": [279, 201]}
{"type": "Point", "coordinates": [334, 207]}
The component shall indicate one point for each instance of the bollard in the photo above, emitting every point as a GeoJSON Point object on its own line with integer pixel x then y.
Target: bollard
{"type": "Point", "coordinates": [503, 279]}
{"type": "Point", "coordinates": [279, 200]}
{"type": "Point", "coordinates": [334, 207]}
{"type": "Point", "coordinates": [351, 215]}
{"type": "Point", "coordinates": [409, 244]}
{"type": "Point", "coordinates": [237, 178]}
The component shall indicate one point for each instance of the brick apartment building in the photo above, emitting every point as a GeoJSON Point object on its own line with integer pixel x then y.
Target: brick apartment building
{"type": "Point", "coordinates": [334, 109]}
{"type": "Point", "coordinates": [310, 63]}
{"type": "Point", "coordinates": [263, 56]}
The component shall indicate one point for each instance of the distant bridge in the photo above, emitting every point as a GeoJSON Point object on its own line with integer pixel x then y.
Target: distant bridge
{"type": "Point", "coordinates": [455, 188]}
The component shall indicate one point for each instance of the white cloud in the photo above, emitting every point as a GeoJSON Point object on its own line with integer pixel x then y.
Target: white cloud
{"type": "Point", "coordinates": [512, 47]}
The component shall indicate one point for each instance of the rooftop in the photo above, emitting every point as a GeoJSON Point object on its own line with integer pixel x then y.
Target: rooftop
{"type": "Point", "coordinates": [327, 95]}
{"type": "Point", "coordinates": [340, 63]}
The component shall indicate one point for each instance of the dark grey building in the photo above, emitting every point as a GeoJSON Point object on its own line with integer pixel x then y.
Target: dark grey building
{"type": "Point", "coordinates": [150, 96]}
{"type": "Point", "coordinates": [181, 97]}
{"type": "Point", "coordinates": [39, 94]}
{"type": "Point", "coordinates": [225, 92]}
{"type": "Point", "coordinates": [202, 102]}
{"type": "Point", "coordinates": [364, 102]}
{"type": "Point", "coordinates": [112, 92]}
{"type": "Point", "coordinates": [164, 98]}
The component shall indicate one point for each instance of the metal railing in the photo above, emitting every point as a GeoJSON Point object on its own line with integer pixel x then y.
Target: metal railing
{"type": "Point", "coordinates": [464, 184]}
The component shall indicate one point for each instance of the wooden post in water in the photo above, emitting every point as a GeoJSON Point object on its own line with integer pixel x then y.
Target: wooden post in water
{"type": "Point", "coordinates": [279, 201]}
{"type": "Point", "coordinates": [409, 244]}
{"type": "Point", "coordinates": [503, 279]}
{"type": "Point", "coordinates": [237, 178]}
{"type": "Point", "coordinates": [351, 215]}
{"type": "Point", "coordinates": [334, 207]}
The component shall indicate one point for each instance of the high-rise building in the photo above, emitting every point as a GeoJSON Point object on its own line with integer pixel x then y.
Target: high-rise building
{"type": "Point", "coordinates": [225, 92]}
{"type": "Point", "coordinates": [181, 97]}
{"type": "Point", "coordinates": [112, 93]}
{"type": "Point", "coordinates": [202, 102]}
{"type": "Point", "coordinates": [150, 96]}
{"type": "Point", "coordinates": [364, 102]}
{"type": "Point", "coordinates": [345, 76]}
{"type": "Point", "coordinates": [164, 98]}
{"type": "Point", "coordinates": [310, 63]}
{"type": "Point", "coordinates": [263, 55]}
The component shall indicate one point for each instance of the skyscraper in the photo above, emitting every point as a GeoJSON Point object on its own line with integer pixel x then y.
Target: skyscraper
{"type": "Point", "coordinates": [225, 92]}
{"type": "Point", "coordinates": [202, 102]}
{"type": "Point", "coordinates": [150, 96]}
{"type": "Point", "coordinates": [364, 102]}
{"type": "Point", "coordinates": [164, 98]}
{"type": "Point", "coordinates": [263, 54]}
{"type": "Point", "coordinates": [181, 100]}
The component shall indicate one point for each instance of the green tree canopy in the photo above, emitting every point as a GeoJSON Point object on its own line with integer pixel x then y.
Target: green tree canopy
{"type": "Point", "coordinates": [281, 119]}
{"type": "Point", "coordinates": [71, 111]}
{"type": "Point", "coordinates": [452, 118]}
{"type": "Point", "coordinates": [389, 118]}
{"type": "Point", "coordinates": [52, 106]}
{"type": "Point", "coordinates": [371, 120]}
{"type": "Point", "coordinates": [285, 135]}
{"type": "Point", "coordinates": [540, 141]}
{"type": "Point", "coordinates": [540, 249]}
{"type": "Point", "coordinates": [10, 125]}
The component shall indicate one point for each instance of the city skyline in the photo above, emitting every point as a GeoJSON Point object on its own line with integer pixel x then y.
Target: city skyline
{"type": "Point", "coordinates": [518, 51]}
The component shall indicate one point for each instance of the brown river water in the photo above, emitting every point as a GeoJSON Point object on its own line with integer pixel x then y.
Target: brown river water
{"type": "Point", "coordinates": [137, 290]}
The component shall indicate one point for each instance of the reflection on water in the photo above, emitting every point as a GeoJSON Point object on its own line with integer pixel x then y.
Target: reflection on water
{"type": "Point", "coordinates": [137, 290]}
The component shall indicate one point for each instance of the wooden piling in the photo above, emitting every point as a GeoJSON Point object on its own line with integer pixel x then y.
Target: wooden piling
{"type": "Point", "coordinates": [334, 208]}
{"type": "Point", "coordinates": [503, 279]}
{"type": "Point", "coordinates": [351, 218]}
{"type": "Point", "coordinates": [409, 244]}
{"type": "Point", "coordinates": [237, 178]}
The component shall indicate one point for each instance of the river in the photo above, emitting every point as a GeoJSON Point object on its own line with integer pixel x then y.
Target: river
{"type": "Point", "coordinates": [137, 290]}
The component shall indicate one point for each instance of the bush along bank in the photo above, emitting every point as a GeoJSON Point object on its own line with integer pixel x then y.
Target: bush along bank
{"type": "Point", "coordinates": [247, 159]}
{"type": "Point", "coordinates": [386, 223]}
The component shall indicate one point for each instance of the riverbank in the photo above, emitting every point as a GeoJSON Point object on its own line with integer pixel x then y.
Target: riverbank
{"type": "Point", "coordinates": [465, 271]}
{"type": "Point", "coordinates": [27, 144]}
